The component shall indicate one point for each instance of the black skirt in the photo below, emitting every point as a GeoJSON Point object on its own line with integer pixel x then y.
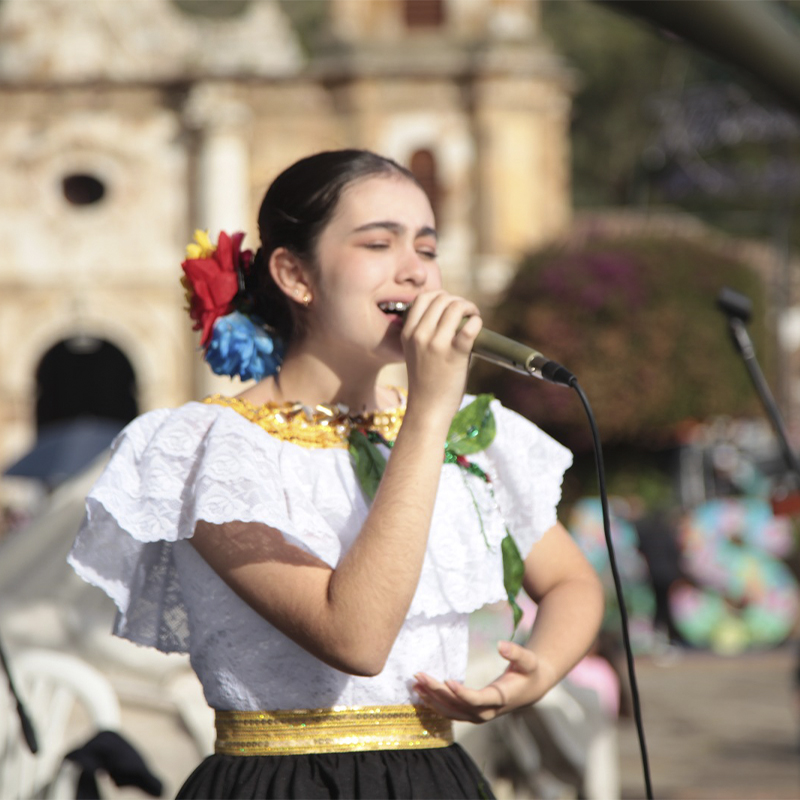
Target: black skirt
{"type": "Point", "coordinates": [438, 772]}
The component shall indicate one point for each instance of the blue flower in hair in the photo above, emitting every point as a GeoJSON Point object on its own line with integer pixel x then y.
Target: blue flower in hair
{"type": "Point", "coordinates": [240, 346]}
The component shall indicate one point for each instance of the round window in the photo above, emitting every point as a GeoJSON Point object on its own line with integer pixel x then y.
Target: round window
{"type": "Point", "coordinates": [83, 190]}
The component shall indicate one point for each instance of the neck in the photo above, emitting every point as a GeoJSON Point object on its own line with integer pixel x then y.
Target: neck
{"type": "Point", "coordinates": [309, 379]}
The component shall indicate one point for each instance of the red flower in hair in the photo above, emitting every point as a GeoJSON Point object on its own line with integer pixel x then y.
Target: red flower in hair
{"type": "Point", "coordinates": [211, 278]}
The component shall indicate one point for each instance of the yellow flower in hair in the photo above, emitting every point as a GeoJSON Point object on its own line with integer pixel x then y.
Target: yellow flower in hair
{"type": "Point", "coordinates": [201, 247]}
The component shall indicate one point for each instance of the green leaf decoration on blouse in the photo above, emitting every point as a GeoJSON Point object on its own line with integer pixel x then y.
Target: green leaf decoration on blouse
{"type": "Point", "coordinates": [473, 429]}
{"type": "Point", "coordinates": [513, 571]}
{"type": "Point", "coordinates": [368, 461]}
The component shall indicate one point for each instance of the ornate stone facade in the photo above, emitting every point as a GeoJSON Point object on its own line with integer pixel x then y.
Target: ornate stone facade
{"type": "Point", "coordinates": [127, 125]}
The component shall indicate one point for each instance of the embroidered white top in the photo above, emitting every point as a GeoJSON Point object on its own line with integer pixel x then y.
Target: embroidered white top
{"type": "Point", "coordinates": [221, 461]}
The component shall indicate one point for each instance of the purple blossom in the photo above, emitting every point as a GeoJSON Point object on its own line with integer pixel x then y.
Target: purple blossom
{"type": "Point", "coordinates": [594, 281]}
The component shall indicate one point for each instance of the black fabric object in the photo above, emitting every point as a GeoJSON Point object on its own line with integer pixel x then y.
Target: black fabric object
{"type": "Point", "coordinates": [111, 753]}
{"type": "Point", "coordinates": [444, 773]}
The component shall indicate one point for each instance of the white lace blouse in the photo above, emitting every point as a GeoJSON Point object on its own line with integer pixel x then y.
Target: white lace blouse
{"type": "Point", "coordinates": [208, 461]}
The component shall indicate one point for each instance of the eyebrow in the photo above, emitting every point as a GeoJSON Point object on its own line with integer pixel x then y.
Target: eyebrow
{"type": "Point", "coordinates": [394, 227]}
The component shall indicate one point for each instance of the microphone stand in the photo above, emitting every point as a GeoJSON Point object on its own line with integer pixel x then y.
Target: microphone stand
{"type": "Point", "coordinates": [744, 345]}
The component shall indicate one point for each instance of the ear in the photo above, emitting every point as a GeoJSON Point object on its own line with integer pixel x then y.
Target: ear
{"type": "Point", "coordinates": [290, 275]}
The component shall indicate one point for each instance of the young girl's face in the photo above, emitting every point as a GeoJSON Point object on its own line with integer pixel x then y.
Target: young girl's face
{"type": "Point", "coordinates": [378, 248]}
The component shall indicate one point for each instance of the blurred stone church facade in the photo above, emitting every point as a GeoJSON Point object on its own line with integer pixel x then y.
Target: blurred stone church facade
{"type": "Point", "coordinates": [126, 125]}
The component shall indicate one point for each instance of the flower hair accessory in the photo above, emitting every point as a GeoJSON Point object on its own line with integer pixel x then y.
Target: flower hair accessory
{"type": "Point", "coordinates": [234, 340]}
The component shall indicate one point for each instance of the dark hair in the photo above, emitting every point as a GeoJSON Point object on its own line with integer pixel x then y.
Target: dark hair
{"type": "Point", "coordinates": [296, 208]}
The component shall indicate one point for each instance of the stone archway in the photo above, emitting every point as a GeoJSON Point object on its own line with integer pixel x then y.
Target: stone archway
{"type": "Point", "coordinates": [85, 376]}
{"type": "Point", "coordinates": [425, 169]}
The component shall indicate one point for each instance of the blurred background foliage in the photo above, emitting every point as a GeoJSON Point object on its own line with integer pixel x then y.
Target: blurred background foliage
{"type": "Point", "coordinates": [634, 318]}
{"type": "Point", "coordinates": [658, 124]}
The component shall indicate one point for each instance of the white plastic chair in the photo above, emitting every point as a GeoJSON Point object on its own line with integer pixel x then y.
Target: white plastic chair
{"type": "Point", "coordinates": [562, 743]}
{"type": "Point", "coordinates": [572, 718]}
{"type": "Point", "coordinates": [67, 701]}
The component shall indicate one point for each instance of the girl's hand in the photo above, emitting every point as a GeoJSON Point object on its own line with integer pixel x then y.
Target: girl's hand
{"type": "Point", "coordinates": [437, 344]}
{"type": "Point", "coordinates": [524, 681]}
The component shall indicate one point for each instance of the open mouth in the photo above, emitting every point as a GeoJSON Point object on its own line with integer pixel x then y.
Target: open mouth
{"type": "Point", "coordinates": [394, 307]}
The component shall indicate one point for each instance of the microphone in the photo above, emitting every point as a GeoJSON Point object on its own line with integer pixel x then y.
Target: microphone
{"type": "Point", "coordinates": [507, 353]}
{"type": "Point", "coordinates": [518, 357]}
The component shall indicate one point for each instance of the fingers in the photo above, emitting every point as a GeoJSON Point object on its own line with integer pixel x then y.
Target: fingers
{"type": "Point", "coordinates": [455, 701]}
{"type": "Point", "coordinates": [467, 332]}
{"type": "Point", "coordinates": [510, 690]}
{"type": "Point", "coordinates": [437, 343]}
{"type": "Point", "coordinates": [490, 696]}
{"type": "Point", "coordinates": [437, 319]}
{"type": "Point", "coordinates": [520, 659]}
{"type": "Point", "coordinates": [444, 702]}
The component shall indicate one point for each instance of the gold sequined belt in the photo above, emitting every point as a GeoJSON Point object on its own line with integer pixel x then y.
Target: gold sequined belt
{"type": "Point", "coordinates": [342, 729]}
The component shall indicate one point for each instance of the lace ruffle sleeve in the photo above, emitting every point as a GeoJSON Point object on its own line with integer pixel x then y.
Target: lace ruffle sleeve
{"type": "Point", "coordinates": [463, 568]}
{"type": "Point", "coordinates": [528, 466]}
{"type": "Point", "coordinates": [168, 470]}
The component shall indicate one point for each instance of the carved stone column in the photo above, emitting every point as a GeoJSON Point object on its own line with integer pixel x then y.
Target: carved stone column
{"type": "Point", "coordinates": [220, 121]}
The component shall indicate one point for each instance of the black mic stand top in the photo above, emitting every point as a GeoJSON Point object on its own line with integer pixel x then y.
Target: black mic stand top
{"type": "Point", "coordinates": [738, 309]}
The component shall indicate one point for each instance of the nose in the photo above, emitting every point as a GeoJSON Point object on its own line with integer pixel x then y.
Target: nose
{"type": "Point", "coordinates": [412, 269]}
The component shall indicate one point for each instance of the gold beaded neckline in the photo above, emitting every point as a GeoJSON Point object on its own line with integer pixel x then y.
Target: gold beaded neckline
{"type": "Point", "coordinates": [320, 426]}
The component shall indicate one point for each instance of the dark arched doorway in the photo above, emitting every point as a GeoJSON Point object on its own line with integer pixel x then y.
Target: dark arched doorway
{"type": "Point", "coordinates": [85, 377]}
{"type": "Point", "coordinates": [424, 168]}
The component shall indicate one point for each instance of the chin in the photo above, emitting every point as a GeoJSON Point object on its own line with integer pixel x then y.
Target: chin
{"type": "Point", "coordinates": [390, 355]}
{"type": "Point", "coordinates": [390, 349]}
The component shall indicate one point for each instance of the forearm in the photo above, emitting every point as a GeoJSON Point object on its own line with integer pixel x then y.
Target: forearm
{"type": "Point", "coordinates": [371, 589]}
{"type": "Point", "coordinates": [567, 622]}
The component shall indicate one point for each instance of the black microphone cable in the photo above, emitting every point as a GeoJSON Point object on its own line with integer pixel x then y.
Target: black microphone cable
{"type": "Point", "coordinates": [512, 355]}
{"type": "Point", "coordinates": [517, 357]}
{"type": "Point", "coordinates": [520, 358]}
{"type": "Point", "coordinates": [601, 479]}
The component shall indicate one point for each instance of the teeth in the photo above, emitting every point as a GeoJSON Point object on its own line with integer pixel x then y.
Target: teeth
{"type": "Point", "coordinates": [394, 307]}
